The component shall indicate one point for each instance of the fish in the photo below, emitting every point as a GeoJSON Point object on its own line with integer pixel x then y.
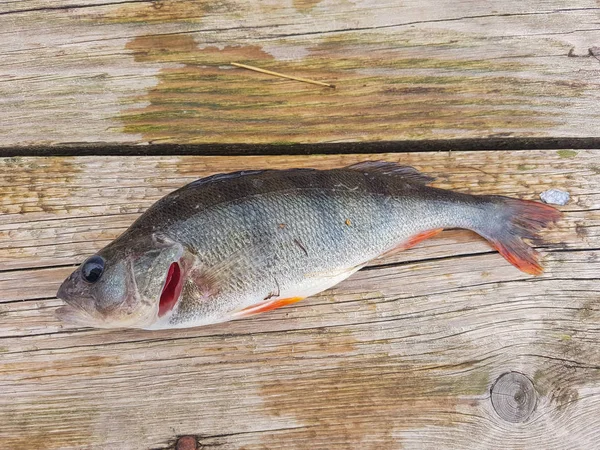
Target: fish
{"type": "Point", "coordinates": [233, 245]}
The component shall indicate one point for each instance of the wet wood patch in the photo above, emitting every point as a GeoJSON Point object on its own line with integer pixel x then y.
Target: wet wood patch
{"type": "Point", "coordinates": [203, 100]}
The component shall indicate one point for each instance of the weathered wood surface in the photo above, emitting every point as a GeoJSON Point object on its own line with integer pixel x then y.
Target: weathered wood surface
{"type": "Point", "coordinates": [157, 71]}
{"type": "Point", "coordinates": [404, 354]}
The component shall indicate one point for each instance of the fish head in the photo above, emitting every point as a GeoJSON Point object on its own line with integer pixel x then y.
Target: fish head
{"type": "Point", "coordinates": [127, 284]}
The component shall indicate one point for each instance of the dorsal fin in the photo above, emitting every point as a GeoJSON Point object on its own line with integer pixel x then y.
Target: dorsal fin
{"type": "Point", "coordinates": [224, 176]}
{"type": "Point", "coordinates": [391, 168]}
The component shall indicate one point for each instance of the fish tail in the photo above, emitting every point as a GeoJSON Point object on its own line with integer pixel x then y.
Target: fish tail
{"type": "Point", "coordinates": [512, 221]}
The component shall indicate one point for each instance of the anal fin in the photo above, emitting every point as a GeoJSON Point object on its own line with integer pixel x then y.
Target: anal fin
{"type": "Point", "coordinates": [414, 240]}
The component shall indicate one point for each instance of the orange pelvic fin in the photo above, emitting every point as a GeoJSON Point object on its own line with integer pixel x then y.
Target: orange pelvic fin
{"type": "Point", "coordinates": [414, 240]}
{"type": "Point", "coordinates": [267, 305]}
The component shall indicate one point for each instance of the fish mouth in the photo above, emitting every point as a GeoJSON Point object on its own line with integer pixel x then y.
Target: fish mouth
{"type": "Point", "coordinates": [72, 315]}
{"type": "Point", "coordinates": [62, 293]}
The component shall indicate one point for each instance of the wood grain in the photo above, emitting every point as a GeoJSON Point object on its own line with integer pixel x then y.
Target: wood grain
{"type": "Point", "coordinates": [139, 71]}
{"type": "Point", "coordinates": [404, 354]}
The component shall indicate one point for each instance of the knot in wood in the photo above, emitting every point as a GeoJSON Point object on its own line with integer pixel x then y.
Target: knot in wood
{"type": "Point", "coordinates": [513, 397]}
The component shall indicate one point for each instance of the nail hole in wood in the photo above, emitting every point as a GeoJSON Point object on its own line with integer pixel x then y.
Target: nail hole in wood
{"type": "Point", "coordinates": [186, 443]}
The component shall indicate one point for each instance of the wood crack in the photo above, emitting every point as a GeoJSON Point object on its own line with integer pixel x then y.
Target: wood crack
{"type": "Point", "coordinates": [347, 148]}
{"type": "Point", "coordinates": [424, 22]}
{"type": "Point", "coordinates": [70, 7]}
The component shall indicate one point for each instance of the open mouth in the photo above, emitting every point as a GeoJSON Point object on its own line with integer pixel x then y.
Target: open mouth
{"type": "Point", "coordinates": [171, 290]}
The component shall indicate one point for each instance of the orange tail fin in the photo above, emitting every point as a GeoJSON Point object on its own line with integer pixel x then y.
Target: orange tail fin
{"type": "Point", "coordinates": [518, 220]}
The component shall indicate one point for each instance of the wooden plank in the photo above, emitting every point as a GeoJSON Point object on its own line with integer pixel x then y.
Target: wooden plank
{"type": "Point", "coordinates": [139, 71]}
{"type": "Point", "coordinates": [404, 354]}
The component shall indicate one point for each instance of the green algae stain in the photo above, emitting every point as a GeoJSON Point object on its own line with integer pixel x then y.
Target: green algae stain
{"type": "Point", "coordinates": [567, 154]}
{"type": "Point", "coordinates": [382, 94]}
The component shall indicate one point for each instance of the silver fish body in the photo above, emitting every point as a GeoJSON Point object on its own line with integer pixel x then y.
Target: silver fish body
{"type": "Point", "coordinates": [232, 245]}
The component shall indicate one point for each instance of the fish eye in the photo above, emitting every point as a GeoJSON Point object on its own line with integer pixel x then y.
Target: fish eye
{"type": "Point", "coordinates": [92, 268]}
